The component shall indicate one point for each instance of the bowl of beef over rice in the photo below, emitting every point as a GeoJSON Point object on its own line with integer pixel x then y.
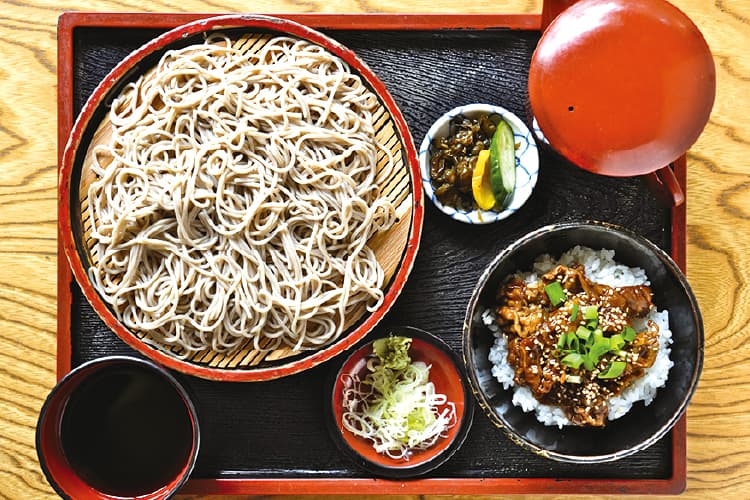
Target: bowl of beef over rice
{"type": "Point", "coordinates": [583, 342]}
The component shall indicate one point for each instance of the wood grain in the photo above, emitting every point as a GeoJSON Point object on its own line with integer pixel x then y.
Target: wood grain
{"type": "Point", "coordinates": [718, 225]}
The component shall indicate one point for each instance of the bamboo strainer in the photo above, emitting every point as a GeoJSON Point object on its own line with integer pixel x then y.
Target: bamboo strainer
{"type": "Point", "coordinates": [395, 248]}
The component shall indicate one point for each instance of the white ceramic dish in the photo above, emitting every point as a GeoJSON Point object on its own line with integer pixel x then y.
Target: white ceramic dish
{"type": "Point", "coordinates": [527, 162]}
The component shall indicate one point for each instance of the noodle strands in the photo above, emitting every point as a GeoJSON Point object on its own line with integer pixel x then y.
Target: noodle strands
{"type": "Point", "coordinates": [233, 204]}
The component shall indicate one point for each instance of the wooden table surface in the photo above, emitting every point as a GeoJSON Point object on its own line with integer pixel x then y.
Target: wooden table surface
{"type": "Point", "coordinates": [718, 225]}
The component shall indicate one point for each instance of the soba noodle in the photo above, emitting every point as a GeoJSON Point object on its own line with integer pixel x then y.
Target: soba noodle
{"type": "Point", "coordinates": [233, 204]}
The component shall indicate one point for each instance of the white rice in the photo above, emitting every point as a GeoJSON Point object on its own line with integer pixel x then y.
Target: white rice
{"type": "Point", "coordinates": [601, 268]}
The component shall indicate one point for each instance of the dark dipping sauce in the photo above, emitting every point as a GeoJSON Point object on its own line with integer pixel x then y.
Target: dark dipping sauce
{"type": "Point", "coordinates": [452, 159]}
{"type": "Point", "coordinates": [533, 327]}
{"type": "Point", "coordinates": [126, 431]}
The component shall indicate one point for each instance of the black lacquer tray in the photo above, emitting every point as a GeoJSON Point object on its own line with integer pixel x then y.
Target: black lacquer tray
{"type": "Point", "coordinates": [270, 437]}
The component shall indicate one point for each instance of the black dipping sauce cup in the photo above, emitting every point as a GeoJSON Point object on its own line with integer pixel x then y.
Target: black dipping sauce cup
{"type": "Point", "coordinates": [117, 427]}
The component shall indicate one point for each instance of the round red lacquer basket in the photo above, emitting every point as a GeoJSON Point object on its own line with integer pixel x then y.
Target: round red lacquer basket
{"type": "Point", "coordinates": [395, 249]}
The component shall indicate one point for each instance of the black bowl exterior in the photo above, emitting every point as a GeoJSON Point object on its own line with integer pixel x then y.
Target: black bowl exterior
{"type": "Point", "coordinates": [643, 425]}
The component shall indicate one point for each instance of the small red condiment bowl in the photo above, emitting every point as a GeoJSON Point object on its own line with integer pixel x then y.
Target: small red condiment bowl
{"type": "Point", "coordinates": [446, 372]}
{"type": "Point", "coordinates": [117, 403]}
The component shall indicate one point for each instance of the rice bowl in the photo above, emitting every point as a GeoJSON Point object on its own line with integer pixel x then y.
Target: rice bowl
{"type": "Point", "coordinates": [601, 267]}
{"type": "Point", "coordinates": [640, 427]}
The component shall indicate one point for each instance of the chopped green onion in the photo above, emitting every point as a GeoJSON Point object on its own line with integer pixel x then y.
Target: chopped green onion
{"type": "Point", "coordinates": [555, 293]}
{"type": "Point", "coordinates": [616, 342]}
{"type": "Point", "coordinates": [599, 348]}
{"type": "Point", "coordinates": [628, 333]}
{"type": "Point", "coordinates": [572, 360]}
{"type": "Point", "coordinates": [573, 343]}
{"type": "Point", "coordinates": [587, 345]}
{"type": "Point", "coordinates": [588, 363]}
{"type": "Point", "coordinates": [583, 333]}
{"type": "Point", "coordinates": [591, 312]}
{"type": "Point", "coordinates": [590, 341]}
{"type": "Point", "coordinates": [572, 379]}
{"type": "Point", "coordinates": [614, 370]}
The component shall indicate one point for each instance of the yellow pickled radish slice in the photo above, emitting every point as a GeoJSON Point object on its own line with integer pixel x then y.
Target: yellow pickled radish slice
{"type": "Point", "coordinates": [481, 186]}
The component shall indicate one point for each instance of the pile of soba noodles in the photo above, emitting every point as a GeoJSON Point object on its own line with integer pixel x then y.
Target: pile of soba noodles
{"type": "Point", "coordinates": [233, 204]}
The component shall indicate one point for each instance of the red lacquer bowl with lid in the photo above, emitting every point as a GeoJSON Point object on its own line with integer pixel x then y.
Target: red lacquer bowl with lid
{"type": "Point", "coordinates": [621, 87]}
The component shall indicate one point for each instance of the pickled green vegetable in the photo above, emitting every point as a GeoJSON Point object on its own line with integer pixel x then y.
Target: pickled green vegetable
{"type": "Point", "coordinates": [503, 164]}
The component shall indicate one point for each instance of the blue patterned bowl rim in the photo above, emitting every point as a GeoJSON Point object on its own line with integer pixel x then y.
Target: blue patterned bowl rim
{"type": "Point", "coordinates": [527, 162]}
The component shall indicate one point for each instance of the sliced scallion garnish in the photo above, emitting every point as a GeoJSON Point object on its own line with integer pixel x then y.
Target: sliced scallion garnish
{"type": "Point", "coordinates": [573, 343]}
{"type": "Point", "coordinates": [628, 333]}
{"type": "Point", "coordinates": [556, 293]}
{"type": "Point", "coordinates": [573, 360]}
{"type": "Point", "coordinates": [583, 333]}
{"type": "Point", "coordinates": [616, 342]}
{"type": "Point", "coordinates": [600, 346]}
{"type": "Point", "coordinates": [614, 370]}
{"type": "Point", "coordinates": [590, 312]}
{"type": "Point", "coordinates": [587, 345]}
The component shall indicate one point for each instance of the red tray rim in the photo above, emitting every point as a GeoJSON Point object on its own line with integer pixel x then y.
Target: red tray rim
{"type": "Point", "coordinates": [68, 22]}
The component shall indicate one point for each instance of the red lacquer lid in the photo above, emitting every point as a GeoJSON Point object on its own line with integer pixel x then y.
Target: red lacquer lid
{"type": "Point", "coordinates": [622, 87]}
